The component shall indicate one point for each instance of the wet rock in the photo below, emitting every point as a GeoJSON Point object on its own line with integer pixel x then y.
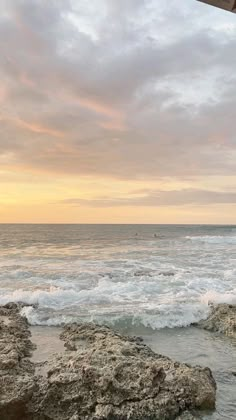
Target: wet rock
{"type": "Point", "coordinates": [102, 375]}
{"type": "Point", "coordinates": [166, 273]}
{"type": "Point", "coordinates": [141, 273]}
{"type": "Point", "coordinates": [221, 319]}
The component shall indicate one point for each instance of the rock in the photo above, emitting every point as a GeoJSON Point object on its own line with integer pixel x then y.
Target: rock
{"type": "Point", "coordinates": [141, 273]}
{"type": "Point", "coordinates": [166, 273]}
{"type": "Point", "coordinates": [221, 319]}
{"type": "Point", "coordinates": [110, 376]}
{"type": "Point", "coordinates": [17, 382]}
{"type": "Point", "coordinates": [103, 375]}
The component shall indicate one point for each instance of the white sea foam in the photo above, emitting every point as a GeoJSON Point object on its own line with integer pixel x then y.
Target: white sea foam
{"type": "Point", "coordinates": [178, 317]}
{"type": "Point", "coordinates": [216, 297]}
{"type": "Point", "coordinates": [144, 302]}
{"type": "Point", "coordinates": [210, 239]}
{"type": "Point", "coordinates": [153, 283]}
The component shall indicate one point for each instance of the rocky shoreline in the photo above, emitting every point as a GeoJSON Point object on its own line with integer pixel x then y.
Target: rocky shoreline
{"type": "Point", "coordinates": [222, 319]}
{"type": "Point", "coordinates": [100, 375]}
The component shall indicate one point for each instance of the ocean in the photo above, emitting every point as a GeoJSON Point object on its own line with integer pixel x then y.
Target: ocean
{"type": "Point", "coordinates": [125, 275]}
{"type": "Point", "coordinates": [150, 280]}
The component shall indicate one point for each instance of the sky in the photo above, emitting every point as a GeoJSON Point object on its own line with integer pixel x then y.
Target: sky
{"type": "Point", "coordinates": [117, 111]}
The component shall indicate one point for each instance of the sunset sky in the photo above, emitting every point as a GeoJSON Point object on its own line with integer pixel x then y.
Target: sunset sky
{"type": "Point", "coordinates": [117, 111]}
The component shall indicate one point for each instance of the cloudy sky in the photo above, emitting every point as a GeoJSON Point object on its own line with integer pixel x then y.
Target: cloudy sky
{"type": "Point", "coordinates": [117, 111]}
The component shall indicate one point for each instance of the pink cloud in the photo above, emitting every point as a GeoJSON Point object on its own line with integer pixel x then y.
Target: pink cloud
{"type": "Point", "coordinates": [37, 128]}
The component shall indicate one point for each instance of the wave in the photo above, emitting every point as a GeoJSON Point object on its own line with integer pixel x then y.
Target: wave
{"type": "Point", "coordinates": [132, 303]}
{"type": "Point", "coordinates": [213, 297]}
{"type": "Point", "coordinates": [142, 303]}
{"type": "Point", "coordinates": [210, 239]}
{"type": "Point", "coordinates": [104, 292]}
{"type": "Point", "coordinates": [182, 317]}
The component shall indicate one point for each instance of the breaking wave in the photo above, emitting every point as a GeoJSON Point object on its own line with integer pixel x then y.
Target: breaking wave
{"type": "Point", "coordinates": [210, 239]}
{"type": "Point", "coordinates": [119, 305]}
{"type": "Point", "coordinates": [182, 317]}
{"type": "Point", "coordinates": [115, 278]}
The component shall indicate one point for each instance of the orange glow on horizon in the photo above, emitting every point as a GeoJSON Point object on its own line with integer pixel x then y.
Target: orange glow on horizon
{"type": "Point", "coordinates": [31, 197]}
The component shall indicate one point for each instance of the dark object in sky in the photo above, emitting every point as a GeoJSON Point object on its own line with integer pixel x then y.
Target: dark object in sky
{"type": "Point", "coordinates": [229, 5]}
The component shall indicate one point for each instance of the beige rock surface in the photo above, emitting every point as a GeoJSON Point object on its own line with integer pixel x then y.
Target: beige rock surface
{"type": "Point", "coordinates": [102, 375]}
{"type": "Point", "coordinates": [221, 319]}
{"type": "Point", "coordinates": [17, 382]}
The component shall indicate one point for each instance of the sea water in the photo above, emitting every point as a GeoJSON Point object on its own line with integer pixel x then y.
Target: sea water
{"type": "Point", "coordinates": [150, 275]}
{"type": "Point", "coordinates": [155, 279]}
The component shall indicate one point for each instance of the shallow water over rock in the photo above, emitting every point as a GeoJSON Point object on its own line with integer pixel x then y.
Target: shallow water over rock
{"type": "Point", "coordinates": [196, 346]}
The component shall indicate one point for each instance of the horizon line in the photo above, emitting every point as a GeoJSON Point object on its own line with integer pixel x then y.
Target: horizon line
{"type": "Point", "coordinates": [112, 224]}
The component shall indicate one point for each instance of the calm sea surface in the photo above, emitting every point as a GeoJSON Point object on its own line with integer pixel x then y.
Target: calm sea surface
{"type": "Point", "coordinates": [141, 279]}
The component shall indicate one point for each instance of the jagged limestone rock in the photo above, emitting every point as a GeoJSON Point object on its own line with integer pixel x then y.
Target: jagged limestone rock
{"type": "Point", "coordinates": [102, 375]}
{"type": "Point", "coordinates": [221, 319]}
{"type": "Point", "coordinates": [17, 382]}
{"type": "Point", "coordinates": [110, 376]}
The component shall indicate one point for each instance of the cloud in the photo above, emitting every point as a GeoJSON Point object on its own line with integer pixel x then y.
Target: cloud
{"type": "Point", "coordinates": [157, 77]}
{"type": "Point", "coordinates": [159, 198]}
{"type": "Point", "coordinates": [35, 128]}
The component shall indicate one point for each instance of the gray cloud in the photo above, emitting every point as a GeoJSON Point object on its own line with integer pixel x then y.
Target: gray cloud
{"type": "Point", "coordinates": [128, 89]}
{"type": "Point", "coordinates": [160, 198]}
